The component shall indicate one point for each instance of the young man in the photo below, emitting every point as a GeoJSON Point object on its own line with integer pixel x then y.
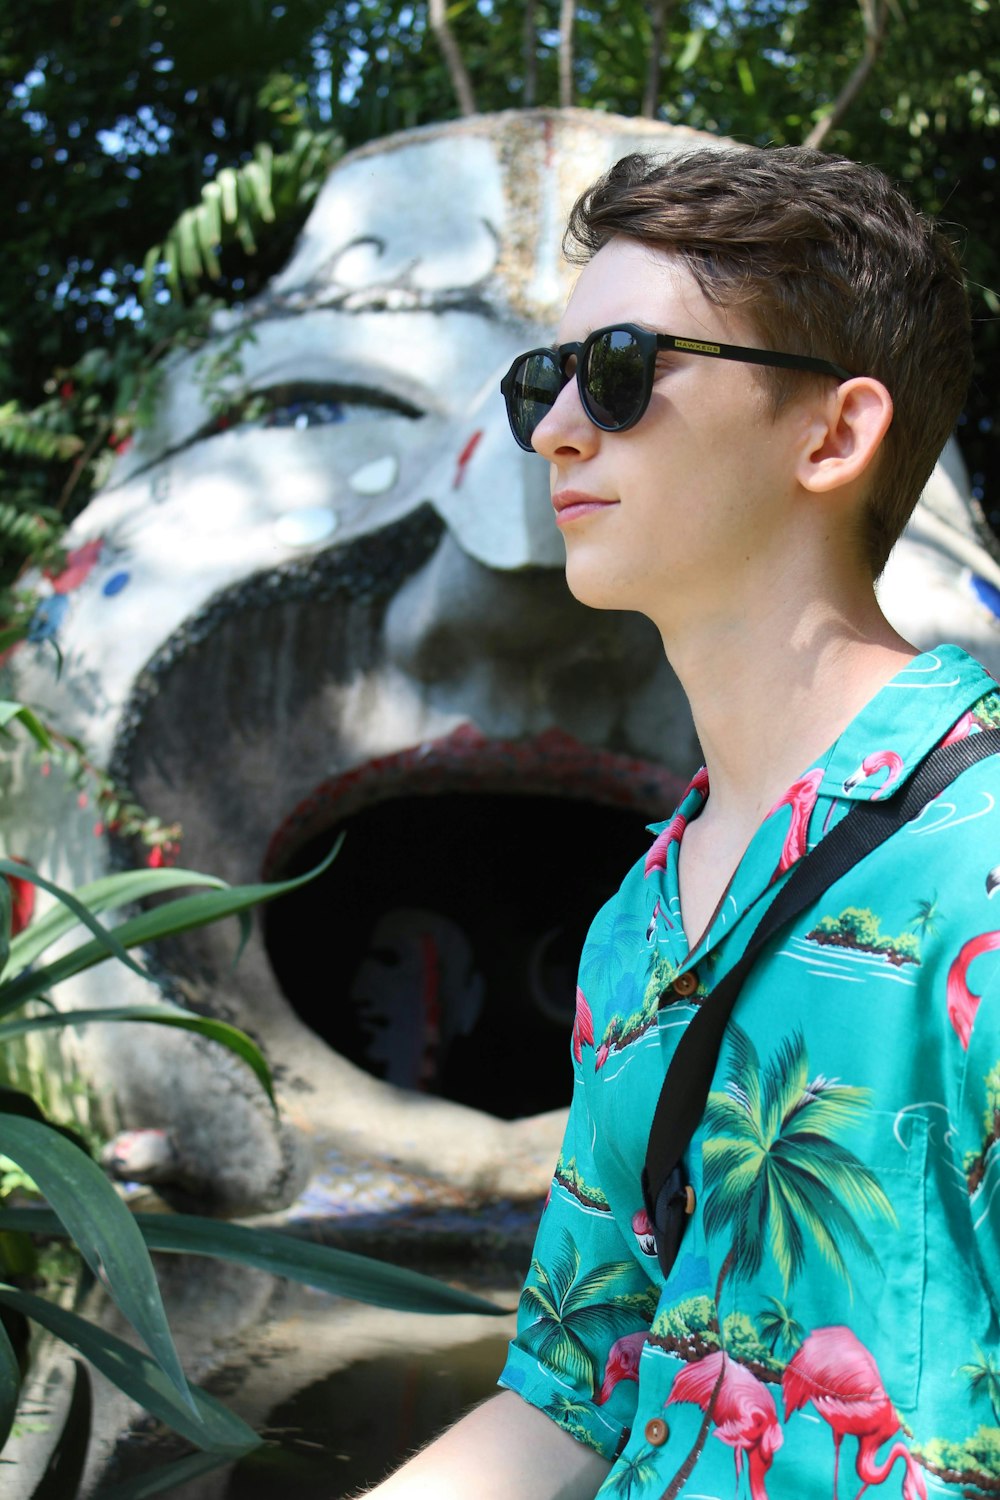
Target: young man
{"type": "Point", "coordinates": [762, 358]}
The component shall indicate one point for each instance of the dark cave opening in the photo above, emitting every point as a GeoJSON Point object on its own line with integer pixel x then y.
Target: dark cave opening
{"type": "Point", "coordinates": [439, 951]}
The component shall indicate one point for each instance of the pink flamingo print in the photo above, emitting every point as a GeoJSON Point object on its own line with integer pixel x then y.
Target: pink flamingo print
{"type": "Point", "coordinates": [622, 1364]}
{"type": "Point", "coordinates": [960, 730]}
{"type": "Point", "coordinates": [835, 1371]}
{"type": "Point", "coordinates": [583, 1026]}
{"type": "Point", "coordinates": [962, 1003]}
{"type": "Point", "coordinates": [743, 1413]}
{"type": "Point", "coordinates": [801, 798]}
{"type": "Point", "coordinates": [643, 1231]}
{"type": "Point", "coordinates": [879, 760]}
{"type": "Point", "coordinates": [656, 859]}
{"type": "Point", "coordinates": [657, 912]}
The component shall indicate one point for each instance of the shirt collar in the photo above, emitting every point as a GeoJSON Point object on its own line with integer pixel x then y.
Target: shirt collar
{"type": "Point", "coordinates": [898, 728]}
{"type": "Point", "coordinates": [886, 742]}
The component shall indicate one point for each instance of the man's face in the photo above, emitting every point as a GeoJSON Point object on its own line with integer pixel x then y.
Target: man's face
{"type": "Point", "coordinates": [674, 511]}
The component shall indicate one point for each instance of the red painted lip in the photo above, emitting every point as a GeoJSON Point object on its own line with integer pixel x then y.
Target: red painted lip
{"type": "Point", "coordinates": [568, 504]}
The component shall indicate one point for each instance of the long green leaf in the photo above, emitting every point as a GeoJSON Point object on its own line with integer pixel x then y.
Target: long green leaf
{"type": "Point", "coordinates": [161, 1481]}
{"type": "Point", "coordinates": [10, 1384]}
{"type": "Point", "coordinates": [64, 1470]}
{"type": "Point", "coordinates": [227, 188]}
{"type": "Point", "coordinates": [161, 1015]}
{"type": "Point", "coordinates": [107, 944]}
{"type": "Point", "coordinates": [209, 1426]}
{"type": "Point", "coordinates": [32, 723]}
{"type": "Point", "coordinates": [184, 240]}
{"type": "Point", "coordinates": [14, 1102]}
{"type": "Point", "coordinates": [107, 893]}
{"type": "Point", "coordinates": [100, 1226]}
{"type": "Point", "coordinates": [173, 917]}
{"type": "Point", "coordinates": [338, 1271]}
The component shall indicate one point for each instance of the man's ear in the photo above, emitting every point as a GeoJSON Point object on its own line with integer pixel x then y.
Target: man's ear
{"type": "Point", "coordinates": [845, 436]}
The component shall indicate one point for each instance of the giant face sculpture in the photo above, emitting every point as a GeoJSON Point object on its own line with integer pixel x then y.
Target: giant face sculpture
{"type": "Point", "coordinates": [328, 594]}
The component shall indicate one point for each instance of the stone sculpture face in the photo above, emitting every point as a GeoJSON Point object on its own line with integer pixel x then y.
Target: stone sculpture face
{"type": "Point", "coordinates": [331, 590]}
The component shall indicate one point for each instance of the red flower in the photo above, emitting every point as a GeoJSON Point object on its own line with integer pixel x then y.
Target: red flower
{"type": "Point", "coordinates": [67, 390]}
{"type": "Point", "coordinates": [154, 859]}
{"type": "Point", "coordinates": [22, 901]}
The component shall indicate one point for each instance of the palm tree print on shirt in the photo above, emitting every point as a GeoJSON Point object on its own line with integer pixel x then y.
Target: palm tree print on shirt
{"type": "Point", "coordinates": [774, 1169]}
{"type": "Point", "coordinates": [776, 1177]}
{"type": "Point", "coordinates": [778, 1325]}
{"type": "Point", "coordinates": [983, 1375]}
{"type": "Point", "coordinates": [569, 1320]}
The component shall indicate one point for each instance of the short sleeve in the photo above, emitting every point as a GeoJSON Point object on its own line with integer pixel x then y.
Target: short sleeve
{"type": "Point", "coordinates": [977, 1126]}
{"type": "Point", "coordinates": [586, 1304]}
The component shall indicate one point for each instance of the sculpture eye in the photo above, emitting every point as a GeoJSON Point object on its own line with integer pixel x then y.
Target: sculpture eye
{"type": "Point", "coordinates": [302, 406]}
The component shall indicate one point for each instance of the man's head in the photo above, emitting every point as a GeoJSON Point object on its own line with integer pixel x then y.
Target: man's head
{"type": "Point", "coordinates": [820, 256]}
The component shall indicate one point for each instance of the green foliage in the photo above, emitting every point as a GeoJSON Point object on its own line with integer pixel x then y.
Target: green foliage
{"type": "Point", "coordinates": [234, 208]}
{"type": "Point", "coordinates": [991, 1091]}
{"type": "Point", "coordinates": [859, 927]}
{"type": "Point", "coordinates": [778, 1326]}
{"type": "Point", "coordinates": [633, 1473]}
{"type": "Point", "coordinates": [569, 1319]}
{"type": "Point", "coordinates": [983, 1375]}
{"type": "Point", "coordinates": [774, 1167]}
{"type": "Point", "coordinates": [742, 1341]}
{"type": "Point", "coordinates": [978, 1456]}
{"type": "Point", "coordinates": [692, 1318]}
{"type": "Point", "coordinates": [567, 1173]}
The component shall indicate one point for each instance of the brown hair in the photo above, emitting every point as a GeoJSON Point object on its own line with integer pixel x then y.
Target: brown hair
{"type": "Point", "coordinates": [826, 258]}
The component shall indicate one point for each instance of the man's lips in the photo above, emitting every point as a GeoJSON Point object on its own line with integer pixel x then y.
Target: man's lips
{"type": "Point", "coordinates": [568, 504]}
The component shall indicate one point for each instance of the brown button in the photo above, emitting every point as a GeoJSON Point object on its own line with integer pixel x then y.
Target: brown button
{"type": "Point", "coordinates": [685, 984]}
{"type": "Point", "coordinates": [657, 1432]}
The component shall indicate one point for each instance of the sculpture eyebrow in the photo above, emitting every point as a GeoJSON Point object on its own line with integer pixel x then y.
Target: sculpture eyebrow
{"type": "Point", "coordinates": [385, 298]}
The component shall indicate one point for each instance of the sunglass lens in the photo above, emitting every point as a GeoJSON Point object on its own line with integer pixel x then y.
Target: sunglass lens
{"type": "Point", "coordinates": [536, 383]}
{"type": "Point", "coordinates": [613, 379]}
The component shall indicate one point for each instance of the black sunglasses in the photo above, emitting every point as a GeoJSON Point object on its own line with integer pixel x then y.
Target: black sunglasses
{"type": "Point", "coordinates": [615, 370]}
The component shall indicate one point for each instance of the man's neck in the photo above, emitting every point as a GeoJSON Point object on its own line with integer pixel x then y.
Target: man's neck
{"type": "Point", "coordinates": [769, 694]}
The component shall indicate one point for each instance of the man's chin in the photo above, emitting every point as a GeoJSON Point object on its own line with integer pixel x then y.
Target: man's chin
{"type": "Point", "coordinates": [590, 584]}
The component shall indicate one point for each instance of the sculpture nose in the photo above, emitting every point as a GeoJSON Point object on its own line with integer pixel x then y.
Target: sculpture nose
{"type": "Point", "coordinates": [493, 495]}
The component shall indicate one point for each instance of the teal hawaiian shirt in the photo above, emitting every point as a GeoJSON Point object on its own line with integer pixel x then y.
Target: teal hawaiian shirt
{"type": "Point", "coordinates": [831, 1321]}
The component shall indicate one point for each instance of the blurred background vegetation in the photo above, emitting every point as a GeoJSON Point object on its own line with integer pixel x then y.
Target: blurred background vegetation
{"type": "Point", "coordinates": [161, 155]}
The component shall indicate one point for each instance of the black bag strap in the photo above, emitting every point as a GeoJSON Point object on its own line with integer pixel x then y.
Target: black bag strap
{"type": "Point", "coordinates": [685, 1089]}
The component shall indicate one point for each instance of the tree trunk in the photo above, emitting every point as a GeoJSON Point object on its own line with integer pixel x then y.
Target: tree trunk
{"type": "Point", "coordinates": [686, 1469]}
{"type": "Point", "coordinates": [529, 51]}
{"type": "Point", "coordinates": [875, 14]}
{"type": "Point", "coordinates": [567, 11]}
{"type": "Point", "coordinates": [453, 58]}
{"type": "Point", "coordinates": [651, 96]}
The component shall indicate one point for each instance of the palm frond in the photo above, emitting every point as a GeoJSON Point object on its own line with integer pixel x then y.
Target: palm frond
{"type": "Point", "coordinates": [234, 207]}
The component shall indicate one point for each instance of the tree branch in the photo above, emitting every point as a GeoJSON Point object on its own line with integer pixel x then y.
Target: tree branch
{"type": "Point", "coordinates": [875, 14]}
{"type": "Point", "coordinates": [567, 12]}
{"type": "Point", "coordinates": [658, 16]}
{"type": "Point", "coordinates": [529, 49]}
{"type": "Point", "coordinates": [453, 57]}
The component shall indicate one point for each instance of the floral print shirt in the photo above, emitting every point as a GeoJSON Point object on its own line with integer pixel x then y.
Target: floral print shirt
{"type": "Point", "coordinates": [831, 1322]}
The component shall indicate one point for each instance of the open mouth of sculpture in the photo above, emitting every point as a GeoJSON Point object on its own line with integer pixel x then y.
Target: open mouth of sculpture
{"type": "Point", "coordinates": [439, 951]}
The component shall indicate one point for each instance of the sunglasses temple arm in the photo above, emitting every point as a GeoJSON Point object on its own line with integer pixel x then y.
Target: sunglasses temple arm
{"type": "Point", "coordinates": [774, 360]}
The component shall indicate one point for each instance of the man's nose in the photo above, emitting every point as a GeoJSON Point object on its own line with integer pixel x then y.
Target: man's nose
{"type": "Point", "coordinates": [566, 431]}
